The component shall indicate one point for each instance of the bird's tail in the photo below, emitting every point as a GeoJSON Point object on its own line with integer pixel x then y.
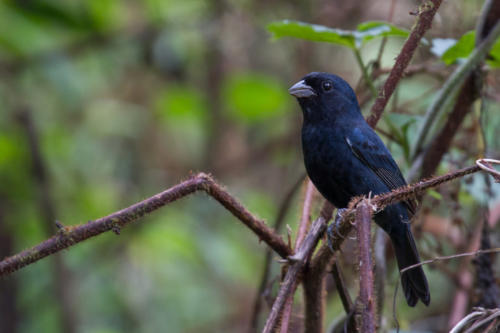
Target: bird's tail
{"type": "Point", "coordinates": [414, 282]}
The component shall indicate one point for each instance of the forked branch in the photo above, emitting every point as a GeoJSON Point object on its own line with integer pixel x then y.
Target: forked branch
{"type": "Point", "coordinates": [70, 235]}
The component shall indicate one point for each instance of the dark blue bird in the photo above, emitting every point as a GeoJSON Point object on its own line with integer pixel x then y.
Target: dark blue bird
{"type": "Point", "coordinates": [345, 158]}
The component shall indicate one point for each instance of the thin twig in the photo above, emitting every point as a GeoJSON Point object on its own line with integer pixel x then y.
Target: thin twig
{"type": "Point", "coordinates": [280, 218]}
{"type": "Point", "coordinates": [70, 235]}
{"type": "Point", "coordinates": [314, 287]}
{"type": "Point", "coordinates": [424, 20]}
{"type": "Point", "coordinates": [454, 256]}
{"type": "Point", "coordinates": [301, 234]}
{"type": "Point", "coordinates": [466, 321]}
{"type": "Point", "coordinates": [306, 213]}
{"type": "Point", "coordinates": [384, 40]}
{"type": "Point", "coordinates": [338, 279]}
{"type": "Point", "coordinates": [299, 259]}
{"type": "Point", "coordinates": [368, 80]}
{"type": "Point", "coordinates": [488, 167]}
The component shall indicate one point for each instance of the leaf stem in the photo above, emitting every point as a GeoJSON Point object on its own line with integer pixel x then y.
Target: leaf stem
{"type": "Point", "coordinates": [364, 71]}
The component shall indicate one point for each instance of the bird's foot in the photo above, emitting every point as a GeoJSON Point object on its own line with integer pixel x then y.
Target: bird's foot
{"type": "Point", "coordinates": [333, 229]}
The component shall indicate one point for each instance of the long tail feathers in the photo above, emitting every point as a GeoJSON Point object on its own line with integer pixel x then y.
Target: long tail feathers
{"type": "Point", "coordinates": [414, 282]}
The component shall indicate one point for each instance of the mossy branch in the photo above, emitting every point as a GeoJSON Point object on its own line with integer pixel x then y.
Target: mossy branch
{"type": "Point", "coordinates": [71, 235]}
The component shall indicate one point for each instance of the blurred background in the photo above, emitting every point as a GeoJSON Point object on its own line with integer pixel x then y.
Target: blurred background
{"type": "Point", "coordinates": [104, 103]}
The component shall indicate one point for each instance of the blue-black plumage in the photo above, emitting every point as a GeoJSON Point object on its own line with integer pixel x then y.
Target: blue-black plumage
{"type": "Point", "coordinates": [345, 158]}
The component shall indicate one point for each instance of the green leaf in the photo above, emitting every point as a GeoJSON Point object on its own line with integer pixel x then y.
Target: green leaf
{"type": "Point", "coordinates": [450, 51]}
{"type": "Point", "coordinates": [318, 33]}
{"type": "Point", "coordinates": [461, 49]}
{"type": "Point", "coordinates": [441, 45]}
{"type": "Point", "coordinates": [495, 55]}
{"type": "Point", "coordinates": [374, 29]}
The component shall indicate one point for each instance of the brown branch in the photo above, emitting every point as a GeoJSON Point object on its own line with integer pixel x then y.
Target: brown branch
{"type": "Point", "coordinates": [469, 93]}
{"type": "Point", "coordinates": [280, 218]}
{"type": "Point", "coordinates": [380, 272]}
{"type": "Point", "coordinates": [306, 213]}
{"type": "Point", "coordinates": [299, 259]}
{"type": "Point", "coordinates": [441, 143]}
{"type": "Point", "coordinates": [382, 200]}
{"type": "Point", "coordinates": [424, 20]}
{"type": "Point", "coordinates": [71, 235]}
{"type": "Point", "coordinates": [344, 226]}
{"type": "Point", "coordinates": [301, 234]}
{"type": "Point", "coordinates": [338, 279]}
{"type": "Point", "coordinates": [314, 297]}
{"type": "Point", "coordinates": [366, 296]}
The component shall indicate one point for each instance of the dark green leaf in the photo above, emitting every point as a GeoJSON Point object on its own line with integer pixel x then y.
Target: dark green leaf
{"type": "Point", "coordinates": [318, 33]}
{"type": "Point", "coordinates": [461, 49]}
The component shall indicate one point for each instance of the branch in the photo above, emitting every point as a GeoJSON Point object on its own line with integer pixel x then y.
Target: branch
{"type": "Point", "coordinates": [424, 20]}
{"type": "Point", "coordinates": [338, 279]}
{"type": "Point", "coordinates": [469, 92]}
{"type": "Point", "coordinates": [486, 165]}
{"type": "Point", "coordinates": [71, 235]}
{"type": "Point", "coordinates": [344, 226]}
{"type": "Point", "coordinates": [380, 272]}
{"type": "Point", "coordinates": [441, 143]}
{"type": "Point", "coordinates": [280, 218]}
{"type": "Point", "coordinates": [299, 259]}
{"type": "Point", "coordinates": [301, 233]}
{"type": "Point", "coordinates": [452, 85]}
{"type": "Point", "coordinates": [366, 295]}
{"type": "Point", "coordinates": [454, 256]}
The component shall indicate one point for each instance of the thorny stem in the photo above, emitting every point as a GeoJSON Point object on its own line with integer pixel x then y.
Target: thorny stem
{"type": "Point", "coordinates": [324, 254]}
{"type": "Point", "coordinates": [301, 234]}
{"type": "Point", "coordinates": [280, 218]}
{"type": "Point", "coordinates": [424, 20]}
{"type": "Point", "coordinates": [306, 213]}
{"type": "Point", "coordinates": [299, 259]}
{"type": "Point", "coordinates": [70, 235]}
{"type": "Point", "coordinates": [380, 272]}
{"type": "Point", "coordinates": [366, 295]}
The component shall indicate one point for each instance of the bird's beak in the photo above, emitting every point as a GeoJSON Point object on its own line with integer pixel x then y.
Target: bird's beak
{"type": "Point", "coordinates": [301, 90]}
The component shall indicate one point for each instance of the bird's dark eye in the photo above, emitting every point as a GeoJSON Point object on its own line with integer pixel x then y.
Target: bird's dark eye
{"type": "Point", "coordinates": [327, 85]}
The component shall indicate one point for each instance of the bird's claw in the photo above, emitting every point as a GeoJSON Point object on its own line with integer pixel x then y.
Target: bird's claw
{"type": "Point", "coordinates": [333, 228]}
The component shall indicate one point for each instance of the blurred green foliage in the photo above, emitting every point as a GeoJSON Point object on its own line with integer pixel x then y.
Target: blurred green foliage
{"type": "Point", "coordinates": [129, 98]}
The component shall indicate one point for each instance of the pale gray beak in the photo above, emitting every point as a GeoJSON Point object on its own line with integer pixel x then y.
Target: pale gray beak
{"type": "Point", "coordinates": [301, 90]}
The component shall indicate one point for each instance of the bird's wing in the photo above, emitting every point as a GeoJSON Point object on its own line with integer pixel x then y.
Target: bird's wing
{"type": "Point", "coordinates": [371, 151]}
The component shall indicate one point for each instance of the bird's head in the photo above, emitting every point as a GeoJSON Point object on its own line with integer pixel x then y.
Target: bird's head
{"type": "Point", "coordinates": [324, 96]}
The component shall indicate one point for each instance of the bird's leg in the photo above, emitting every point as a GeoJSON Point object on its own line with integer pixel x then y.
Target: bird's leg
{"type": "Point", "coordinates": [333, 228]}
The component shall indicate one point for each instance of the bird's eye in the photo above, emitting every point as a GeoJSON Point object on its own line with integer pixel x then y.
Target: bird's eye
{"type": "Point", "coordinates": [327, 85]}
